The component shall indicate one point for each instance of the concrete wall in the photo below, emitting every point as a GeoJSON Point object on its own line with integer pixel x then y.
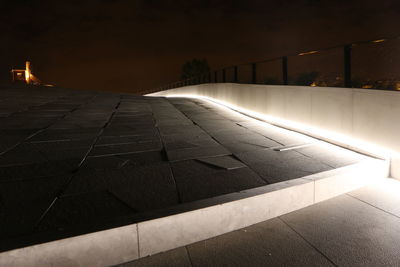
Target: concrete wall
{"type": "Point", "coordinates": [369, 116]}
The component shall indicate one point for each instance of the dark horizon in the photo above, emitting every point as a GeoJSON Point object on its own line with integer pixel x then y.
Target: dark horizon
{"type": "Point", "coordinates": [121, 45]}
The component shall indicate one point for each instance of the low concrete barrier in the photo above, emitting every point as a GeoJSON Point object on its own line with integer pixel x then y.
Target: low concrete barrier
{"type": "Point", "coordinates": [196, 221]}
{"type": "Point", "coordinates": [359, 119]}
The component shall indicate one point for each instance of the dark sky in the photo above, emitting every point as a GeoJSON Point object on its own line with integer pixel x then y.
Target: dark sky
{"type": "Point", "coordinates": [139, 44]}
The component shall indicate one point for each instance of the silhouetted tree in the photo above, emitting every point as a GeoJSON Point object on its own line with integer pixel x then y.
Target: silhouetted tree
{"type": "Point", "coordinates": [307, 78]}
{"type": "Point", "coordinates": [195, 67]}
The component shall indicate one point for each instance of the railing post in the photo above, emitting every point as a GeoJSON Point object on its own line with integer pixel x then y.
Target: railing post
{"type": "Point", "coordinates": [209, 77]}
{"type": "Point", "coordinates": [216, 76]}
{"type": "Point", "coordinates": [285, 71]}
{"type": "Point", "coordinates": [347, 66]}
{"type": "Point", "coordinates": [223, 76]}
{"type": "Point", "coordinates": [235, 74]}
{"type": "Point", "coordinates": [253, 73]}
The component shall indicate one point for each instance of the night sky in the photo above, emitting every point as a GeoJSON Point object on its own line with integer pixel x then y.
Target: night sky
{"type": "Point", "coordinates": [128, 45]}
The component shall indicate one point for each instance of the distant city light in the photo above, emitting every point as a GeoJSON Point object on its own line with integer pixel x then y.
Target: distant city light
{"type": "Point", "coordinates": [25, 75]}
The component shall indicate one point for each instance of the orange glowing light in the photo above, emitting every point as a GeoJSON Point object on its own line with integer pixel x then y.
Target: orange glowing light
{"type": "Point", "coordinates": [367, 86]}
{"type": "Point", "coordinates": [25, 75]}
{"type": "Point", "coordinates": [397, 85]}
{"type": "Point", "coordinates": [313, 84]}
{"type": "Point", "coordinates": [28, 74]}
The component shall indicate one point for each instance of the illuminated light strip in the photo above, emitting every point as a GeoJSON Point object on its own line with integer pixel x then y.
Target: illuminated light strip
{"type": "Point", "coordinates": [328, 136]}
{"type": "Point", "coordinates": [308, 53]}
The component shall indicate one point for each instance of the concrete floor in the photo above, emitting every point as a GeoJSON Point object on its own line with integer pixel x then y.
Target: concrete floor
{"type": "Point", "coordinates": [361, 228]}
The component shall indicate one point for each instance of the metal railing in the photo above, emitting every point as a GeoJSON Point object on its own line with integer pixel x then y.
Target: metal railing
{"type": "Point", "coordinates": [372, 64]}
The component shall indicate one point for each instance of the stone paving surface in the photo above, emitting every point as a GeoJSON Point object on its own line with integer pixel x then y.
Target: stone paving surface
{"type": "Point", "coordinates": [361, 228]}
{"type": "Point", "coordinates": [73, 162]}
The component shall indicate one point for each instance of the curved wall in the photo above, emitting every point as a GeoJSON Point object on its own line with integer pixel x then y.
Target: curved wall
{"type": "Point", "coordinates": [357, 118]}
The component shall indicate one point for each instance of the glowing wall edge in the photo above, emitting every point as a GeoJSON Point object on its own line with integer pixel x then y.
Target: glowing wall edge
{"type": "Point", "coordinates": [315, 111]}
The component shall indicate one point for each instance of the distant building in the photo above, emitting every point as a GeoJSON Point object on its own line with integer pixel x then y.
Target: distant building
{"type": "Point", "coordinates": [25, 75]}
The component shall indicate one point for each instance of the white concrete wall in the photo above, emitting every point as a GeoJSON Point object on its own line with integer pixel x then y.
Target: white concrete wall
{"type": "Point", "coordinates": [371, 116]}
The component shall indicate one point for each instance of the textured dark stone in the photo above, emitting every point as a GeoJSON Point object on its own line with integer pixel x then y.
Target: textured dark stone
{"type": "Point", "coordinates": [227, 162]}
{"type": "Point", "coordinates": [36, 170]}
{"type": "Point", "coordinates": [119, 161]}
{"type": "Point", "coordinates": [144, 187]}
{"type": "Point", "coordinates": [83, 210]}
{"type": "Point", "coordinates": [23, 203]}
{"type": "Point", "coordinates": [275, 174]}
{"type": "Point", "coordinates": [197, 152]}
{"type": "Point", "coordinates": [202, 186]}
{"type": "Point", "coordinates": [126, 148]}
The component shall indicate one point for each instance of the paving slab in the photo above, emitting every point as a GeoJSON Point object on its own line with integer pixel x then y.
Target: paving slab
{"type": "Point", "coordinates": [144, 188]}
{"type": "Point", "coordinates": [202, 186]}
{"type": "Point", "coordinates": [86, 180]}
{"type": "Point", "coordinates": [23, 203]}
{"type": "Point", "coordinates": [270, 243]}
{"type": "Point", "coordinates": [197, 152]}
{"type": "Point", "coordinates": [331, 155]}
{"type": "Point", "coordinates": [383, 195]}
{"type": "Point", "coordinates": [192, 167]}
{"type": "Point", "coordinates": [237, 148]}
{"type": "Point", "coordinates": [227, 162]}
{"type": "Point", "coordinates": [186, 129]}
{"type": "Point", "coordinates": [129, 159]}
{"type": "Point", "coordinates": [349, 232]}
{"type": "Point", "coordinates": [88, 211]}
{"type": "Point", "coordinates": [269, 156]}
{"type": "Point", "coordinates": [116, 149]}
{"type": "Point", "coordinates": [276, 173]}
{"type": "Point", "coordinates": [21, 157]}
{"type": "Point", "coordinates": [113, 140]}
{"type": "Point", "coordinates": [173, 258]}
{"type": "Point", "coordinates": [36, 170]}
{"type": "Point", "coordinates": [188, 144]}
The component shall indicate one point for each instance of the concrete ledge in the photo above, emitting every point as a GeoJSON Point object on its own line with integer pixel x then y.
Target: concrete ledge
{"type": "Point", "coordinates": [339, 181]}
{"type": "Point", "coordinates": [224, 214]}
{"type": "Point", "coordinates": [267, 202]}
{"type": "Point", "coordinates": [102, 248]}
{"type": "Point", "coordinates": [260, 204]}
